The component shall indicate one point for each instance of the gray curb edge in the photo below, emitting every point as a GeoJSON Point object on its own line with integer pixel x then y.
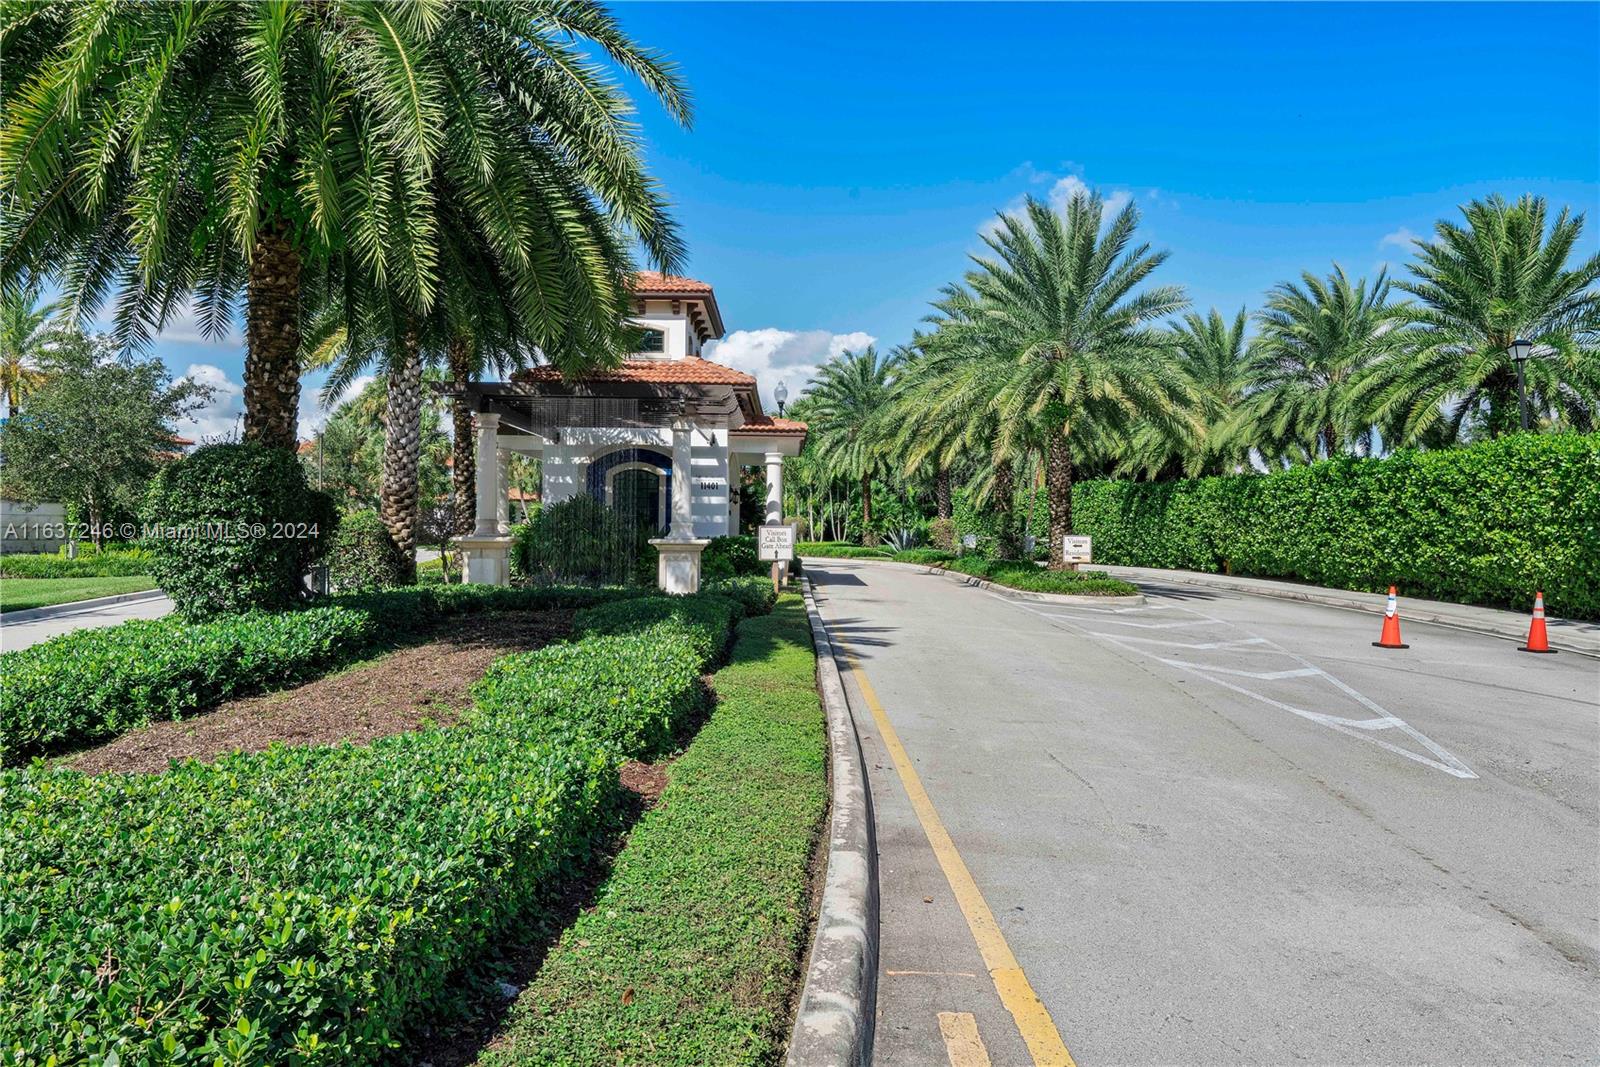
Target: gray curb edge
{"type": "Point", "coordinates": [1134, 601]}
{"type": "Point", "coordinates": [73, 607]}
{"type": "Point", "coordinates": [833, 1024]}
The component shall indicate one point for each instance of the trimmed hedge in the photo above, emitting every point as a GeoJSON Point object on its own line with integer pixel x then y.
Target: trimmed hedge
{"type": "Point", "coordinates": [730, 556]}
{"type": "Point", "coordinates": [300, 905]}
{"type": "Point", "coordinates": [692, 953]}
{"type": "Point", "coordinates": [110, 563]}
{"type": "Point", "coordinates": [1489, 524]}
{"type": "Point", "coordinates": [91, 685]}
{"type": "Point", "coordinates": [840, 550]}
{"type": "Point", "coordinates": [364, 557]}
{"type": "Point", "coordinates": [753, 592]}
{"type": "Point", "coordinates": [1020, 574]}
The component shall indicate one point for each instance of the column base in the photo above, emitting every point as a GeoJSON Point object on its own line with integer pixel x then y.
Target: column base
{"type": "Point", "coordinates": [678, 566]}
{"type": "Point", "coordinates": [487, 560]}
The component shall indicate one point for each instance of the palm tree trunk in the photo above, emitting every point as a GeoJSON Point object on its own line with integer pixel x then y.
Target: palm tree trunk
{"type": "Point", "coordinates": [402, 448]}
{"type": "Point", "coordinates": [464, 471]}
{"type": "Point", "coordinates": [1330, 442]}
{"type": "Point", "coordinates": [1007, 544]}
{"type": "Point", "coordinates": [941, 494]}
{"type": "Point", "coordinates": [866, 504]}
{"type": "Point", "coordinates": [272, 337]}
{"type": "Point", "coordinates": [1058, 489]}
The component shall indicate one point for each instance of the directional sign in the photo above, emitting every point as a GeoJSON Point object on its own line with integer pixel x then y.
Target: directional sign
{"type": "Point", "coordinates": [1076, 549]}
{"type": "Point", "coordinates": [969, 540]}
{"type": "Point", "coordinates": [774, 543]}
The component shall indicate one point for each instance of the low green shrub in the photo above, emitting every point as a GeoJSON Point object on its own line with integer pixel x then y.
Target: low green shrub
{"type": "Point", "coordinates": [363, 556]}
{"type": "Point", "coordinates": [1490, 524]}
{"type": "Point", "coordinates": [1019, 574]}
{"type": "Point", "coordinates": [581, 540]}
{"type": "Point", "coordinates": [730, 557]}
{"type": "Point", "coordinates": [90, 685]}
{"type": "Point", "coordinates": [942, 534]}
{"type": "Point", "coordinates": [235, 528]}
{"type": "Point", "coordinates": [300, 905]}
{"type": "Point", "coordinates": [705, 620]}
{"type": "Point", "coordinates": [753, 592]}
{"type": "Point", "coordinates": [108, 563]}
{"type": "Point", "coordinates": [840, 550]}
{"type": "Point", "coordinates": [924, 555]}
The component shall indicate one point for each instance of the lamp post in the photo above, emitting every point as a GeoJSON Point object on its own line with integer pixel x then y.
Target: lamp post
{"type": "Point", "coordinates": [781, 395]}
{"type": "Point", "coordinates": [1520, 350]}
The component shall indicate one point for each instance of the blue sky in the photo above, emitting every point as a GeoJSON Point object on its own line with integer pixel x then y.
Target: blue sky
{"type": "Point", "coordinates": [844, 156]}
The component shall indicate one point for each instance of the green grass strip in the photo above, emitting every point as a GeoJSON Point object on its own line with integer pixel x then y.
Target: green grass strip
{"type": "Point", "coordinates": [691, 953]}
{"type": "Point", "coordinates": [1020, 574]}
{"type": "Point", "coordinates": [19, 593]}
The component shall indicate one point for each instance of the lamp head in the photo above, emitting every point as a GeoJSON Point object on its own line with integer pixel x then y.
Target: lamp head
{"type": "Point", "coordinates": [1520, 350]}
{"type": "Point", "coordinates": [781, 395]}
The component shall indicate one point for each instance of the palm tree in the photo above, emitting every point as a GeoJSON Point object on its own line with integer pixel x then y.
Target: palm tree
{"type": "Point", "coordinates": [846, 403]}
{"type": "Point", "coordinates": [263, 141]}
{"type": "Point", "coordinates": [1504, 275]}
{"type": "Point", "coordinates": [1318, 339]}
{"type": "Point", "coordinates": [1211, 355]}
{"type": "Point", "coordinates": [25, 338]}
{"type": "Point", "coordinates": [1076, 359]}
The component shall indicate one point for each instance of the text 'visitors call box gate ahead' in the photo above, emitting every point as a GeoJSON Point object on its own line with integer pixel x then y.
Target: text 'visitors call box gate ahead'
{"type": "Point", "coordinates": [775, 544]}
{"type": "Point", "coordinates": [1076, 549]}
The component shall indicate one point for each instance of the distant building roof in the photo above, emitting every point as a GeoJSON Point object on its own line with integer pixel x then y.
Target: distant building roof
{"type": "Point", "coordinates": [690, 371]}
{"type": "Point", "coordinates": [654, 284]}
{"type": "Point", "coordinates": [769, 424]}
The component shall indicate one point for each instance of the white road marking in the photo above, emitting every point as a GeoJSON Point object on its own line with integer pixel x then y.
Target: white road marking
{"type": "Point", "coordinates": [1241, 643]}
{"type": "Point", "coordinates": [1362, 729]}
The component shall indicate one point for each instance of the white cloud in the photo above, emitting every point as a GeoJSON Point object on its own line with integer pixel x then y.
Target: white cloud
{"type": "Point", "coordinates": [789, 356]}
{"type": "Point", "coordinates": [1060, 194]}
{"type": "Point", "coordinates": [1401, 238]}
{"type": "Point", "coordinates": [218, 419]}
{"type": "Point", "coordinates": [313, 414]}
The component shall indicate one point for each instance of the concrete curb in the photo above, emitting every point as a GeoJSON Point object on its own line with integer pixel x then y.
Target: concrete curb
{"type": "Point", "coordinates": [1370, 603]}
{"type": "Point", "coordinates": [1134, 601]}
{"type": "Point", "coordinates": [833, 1024]}
{"type": "Point", "coordinates": [55, 611]}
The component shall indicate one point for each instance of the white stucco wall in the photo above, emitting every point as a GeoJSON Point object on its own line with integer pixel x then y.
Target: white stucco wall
{"type": "Point", "coordinates": [28, 527]}
{"type": "Point", "coordinates": [566, 466]}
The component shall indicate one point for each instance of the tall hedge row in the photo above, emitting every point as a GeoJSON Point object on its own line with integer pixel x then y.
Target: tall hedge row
{"type": "Point", "coordinates": [1490, 524]}
{"type": "Point", "coordinates": [300, 905]}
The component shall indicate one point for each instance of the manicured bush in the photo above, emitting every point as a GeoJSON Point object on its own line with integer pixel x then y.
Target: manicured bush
{"type": "Point", "coordinates": [704, 620]}
{"type": "Point", "coordinates": [300, 905]}
{"type": "Point", "coordinates": [90, 685]}
{"type": "Point", "coordinates": [1490, 524]}
{"type": "Point", "coordinates": [942, 534]}
{"type": "Point", "coordinates": [363, 556]}
{"type": "Point", "coordinates": [581, 540]}
{"type": "Point", "coordinates": [234, 528]}
{"type": "Point", "coordinates": [840, 550]}
{"type": "Point", "coordinates": [109, 563]}
{"type": "Point", "coordinates": [730, 557]}
{"type": "Point", "coordinates": [753, 592]}
{"type": "Point", "coordinates": [690, 954]}
{"type": "Point", "coordinates": [924, 555]}
{"type": "Point", "coordinates": [1020, 574]}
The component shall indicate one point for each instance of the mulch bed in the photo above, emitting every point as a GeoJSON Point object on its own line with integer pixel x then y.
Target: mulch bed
{"type": "Point", "coordinates": [422, 683]}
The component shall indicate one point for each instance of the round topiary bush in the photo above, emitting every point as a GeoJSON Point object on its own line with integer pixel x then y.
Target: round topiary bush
{"type": "Point", "coordinates": [363, 557]}
{"type": "Point", "coordinates": [231, 528]}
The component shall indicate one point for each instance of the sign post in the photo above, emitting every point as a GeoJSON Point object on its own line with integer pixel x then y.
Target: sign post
{"type": "Point", "coordinates": [775, 543]}
{"type": "Point", "coordinates": [1076, 550]}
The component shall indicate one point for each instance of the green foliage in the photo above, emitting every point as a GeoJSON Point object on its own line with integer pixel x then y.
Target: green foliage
{"type": "Point", "coordinates": [581, 540]}
{"type": "Point", "coordinates": [300, 904]}
{"type": "Point", "coordinates": [363, 557]}
{"type": "Point", "coordinates": [95, 426]}
{"type": "Point", "coordinates": [1020, 574]}
{"type": "Point", "coordinates": [1490, 524]}
{"type": "Point", "coordinates": [702, 920]}
{"type": "Point", "coordinates": [17, 594]}
{"type": "Point", "coordinates": [840, 550]}
{"type": "Point", "coordinates": [89, 685]}
{"type": "Point", "coordinates": [753, 592]}
{"type": "Point", "coordinates": [730, 557]}
{"type": "Point", "coordinates": [704, 621]}
{"type": "Point", "coordinates": [942, 534]}
{"type": "Point", "coordinates": [238, 529]}
{"type": "Point", "coordinates": [347, 458]}
{"type": "Point", "coordinates": [109, 563]}
{"type": "Point", "coordinates": [924, 555]}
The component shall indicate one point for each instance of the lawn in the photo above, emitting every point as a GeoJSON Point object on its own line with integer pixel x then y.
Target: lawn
{"type": "Point", "coordinates": [19, 593]}
{"type": "Point", "coordinates": [1020, 574]}
{"type": "Point", "coordinates": [691, 953]}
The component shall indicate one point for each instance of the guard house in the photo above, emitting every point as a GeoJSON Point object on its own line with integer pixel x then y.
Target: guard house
{"type": "Point", "coordinates": [665, 435]}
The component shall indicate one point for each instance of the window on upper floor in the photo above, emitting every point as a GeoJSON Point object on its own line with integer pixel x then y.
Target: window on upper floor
{"type": "Point", "coordinates": [651, 341]}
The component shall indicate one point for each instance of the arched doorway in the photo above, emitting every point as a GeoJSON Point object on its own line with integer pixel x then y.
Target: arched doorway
{"type": "Point", "coordinates": [637, 483]}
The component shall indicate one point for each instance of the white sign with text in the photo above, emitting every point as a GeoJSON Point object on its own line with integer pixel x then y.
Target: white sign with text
{"type": "Point", "coordinates": [774, 543]}
{"type": "Point", "coordinates": [1076, 549]}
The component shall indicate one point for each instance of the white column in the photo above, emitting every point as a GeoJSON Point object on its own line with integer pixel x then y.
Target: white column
{"type": "Point", "coordinates": [488, 476]}
{"type": "Point", "coordinates": [774, 488]}
{"type": "Point", "coordinates": [503, 503]}
{"type": "Point", "coordinates": [682, 489]}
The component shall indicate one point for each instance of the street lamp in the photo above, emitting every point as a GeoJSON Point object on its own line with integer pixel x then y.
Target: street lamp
{"type": "Point", "coordinates": [1520, 350]}
{"type": "Point", "coordinates": [781, 395]}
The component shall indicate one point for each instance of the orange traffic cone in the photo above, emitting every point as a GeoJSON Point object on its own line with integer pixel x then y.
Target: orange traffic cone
{"type": "Point", "coordinates": [1538, 640]}
{"type": "Point", "coordinates": [1390, 638]}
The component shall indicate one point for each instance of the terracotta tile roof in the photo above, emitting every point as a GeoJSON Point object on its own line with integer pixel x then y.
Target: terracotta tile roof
{"type": "Point", "coordinates": [768, 424]}
{"type": "Point", "coordinates": [653, 281]}
{"type": "Point", "coordinates": [691, 371]}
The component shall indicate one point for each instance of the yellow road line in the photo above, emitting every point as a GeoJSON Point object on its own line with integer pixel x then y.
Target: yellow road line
{"type": "Point", "coordinates": [961, 1041]}
{"type": "Point", "coordinates": [1033, 1019]}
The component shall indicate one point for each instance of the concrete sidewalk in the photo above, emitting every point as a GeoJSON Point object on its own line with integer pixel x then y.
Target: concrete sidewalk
{"type": "Point", "coordinates": [19, 629]}
{"type": "Point", "coordinates": [1567, 635]}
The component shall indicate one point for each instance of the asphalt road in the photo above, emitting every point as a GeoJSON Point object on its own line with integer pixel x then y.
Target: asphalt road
{"type": "Point", "coordinates": [1224, 829]}
{"type": "Point", "coordinates": [18, 635]}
